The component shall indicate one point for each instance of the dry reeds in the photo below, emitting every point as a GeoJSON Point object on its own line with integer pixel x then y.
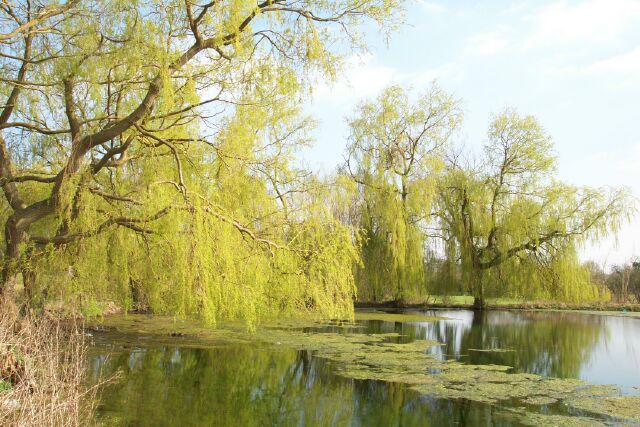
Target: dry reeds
{"type": "Point", "coordinates": [42, 369]}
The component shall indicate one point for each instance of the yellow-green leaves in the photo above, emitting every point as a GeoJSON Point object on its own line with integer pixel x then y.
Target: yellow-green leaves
{"type": "Point", "coordinates": [515, 227]}
{"type": "Point", "coordinates": [394, 155]}
{"type": "Point", "coordinates": [518, 148]}
{"type": "Point", "coordinates": [172, 145]}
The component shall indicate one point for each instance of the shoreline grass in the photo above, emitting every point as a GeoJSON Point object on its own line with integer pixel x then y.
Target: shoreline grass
{"type": "Point", "coordinates": [42, 372]}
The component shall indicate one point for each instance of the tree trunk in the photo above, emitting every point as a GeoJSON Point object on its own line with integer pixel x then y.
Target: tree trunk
{"type": "Point", "coordinates": [34, 297]}
{"type": "Point", "coordinates": [402, 276]}
{"type": "Point", "coordinates": [479, 302]}
{"type": "Point", "coordinates": [15, 265]}
{"type": "Point", "coordinates": [11, 268]}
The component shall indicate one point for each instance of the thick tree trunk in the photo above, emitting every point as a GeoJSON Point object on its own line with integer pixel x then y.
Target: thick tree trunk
{"type": "Point", "coordinates": [479, 303]}
{"type": "Point", "coordinates": [479, 319]}
{"type": "Point", "coordinates": [14, 264]}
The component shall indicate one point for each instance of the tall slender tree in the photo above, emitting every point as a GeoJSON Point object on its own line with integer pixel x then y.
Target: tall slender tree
{"type": "Point", "coordinates": [394, 151]}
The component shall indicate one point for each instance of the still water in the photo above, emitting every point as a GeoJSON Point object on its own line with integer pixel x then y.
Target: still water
{"type": "Point", "coordinates": [257, 384]}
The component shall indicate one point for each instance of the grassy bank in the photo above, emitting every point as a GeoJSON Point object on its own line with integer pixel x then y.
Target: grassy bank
{"type": "Point", "coordinates": [466, 302]}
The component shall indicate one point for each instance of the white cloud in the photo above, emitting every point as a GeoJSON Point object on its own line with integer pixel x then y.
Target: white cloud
{"type": "Point", "coordinates": [593, 21]}
{"type": "Point", "coordinates": [611, 250]}
{"type": "Point", "coordinates": [485, 44]}
{"type": "Point", "coordinates": [615, 165]}
{"type": "Point", "coordinates": [362, 78]}
{"type": "Point", "coordinates": [431, 7]}
{"type": "Point", "coordinates": [421, 78]}
{"type": "Point", "coordinates": [622, 71]}
{"type": "Point", "coordinates": [627, 64]}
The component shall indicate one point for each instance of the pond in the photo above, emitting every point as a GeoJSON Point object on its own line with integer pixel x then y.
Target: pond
{"type": "Point", "coordinates": [439, 368]}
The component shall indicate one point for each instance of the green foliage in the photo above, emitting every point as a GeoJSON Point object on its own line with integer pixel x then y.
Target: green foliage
{"type": "Point", "coordinates": [515, 228]}
{"type": "Point", "coordinates": [151, 157]}
{"type": "Point", "coordinates": [228, 250]}
{"type": "Point", "coordinates": [148, 155]}
{"type": "Point", "coordinates": [394, 154]}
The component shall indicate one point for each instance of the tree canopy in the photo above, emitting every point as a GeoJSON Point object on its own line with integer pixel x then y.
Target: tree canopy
{"type": "Point", "coordinates": [149, 156]}
{"type": "Point", "coordinates": [513, 226]}
{"type": "Point", "coordinates": [145, 152]}
{"type": "Point", "coordinates": [395, 151]}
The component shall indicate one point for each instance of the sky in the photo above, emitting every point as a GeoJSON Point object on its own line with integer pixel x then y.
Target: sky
{"type": "Point", "coordinates": [574, 65]}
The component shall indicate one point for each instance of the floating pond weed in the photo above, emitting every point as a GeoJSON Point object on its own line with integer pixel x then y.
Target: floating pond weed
{"type": "Point", "coordinates": [357, 355]}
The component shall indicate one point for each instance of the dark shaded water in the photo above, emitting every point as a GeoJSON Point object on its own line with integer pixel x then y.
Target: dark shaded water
{"type": "Point", "coordinates": [261, 385]}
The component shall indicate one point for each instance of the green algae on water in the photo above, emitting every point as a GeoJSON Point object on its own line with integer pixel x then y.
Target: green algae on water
{"type": "Point", "coordinates": [627, 407]}
{"type": "Point", "coordinates": [539, 400]}
{"type": "Point", "coordinates": [537, 419]}
{"type": "Point", "coordinates": [368, 356]}
{"type": "Point", "coordinates": [395, 317]}
{"type": "Point", "coordinates": [171, 330]}
{"type": "Point", "coordinates": [372, 356]}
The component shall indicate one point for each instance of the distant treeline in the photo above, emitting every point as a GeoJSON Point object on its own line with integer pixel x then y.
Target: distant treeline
{"type": "Point", "coordinates": [622, 280]}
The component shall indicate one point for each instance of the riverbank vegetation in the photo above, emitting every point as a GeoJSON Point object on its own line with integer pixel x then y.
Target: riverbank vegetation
{"type": "Point", "coordinates": [42, 373]}
{"type": "Point", "coordinates": [150, 161]}
{"type": "Point", "coordinates": [154, 164]}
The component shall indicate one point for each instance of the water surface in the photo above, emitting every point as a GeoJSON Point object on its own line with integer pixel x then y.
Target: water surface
{"type": "Point", "coordinates": [600, 349]}
{"type": "Point", "coordinates": [164, 382]}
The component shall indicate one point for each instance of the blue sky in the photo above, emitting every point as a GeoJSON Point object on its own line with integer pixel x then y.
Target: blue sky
{"type": "Point", "coordinates": [575, 65]}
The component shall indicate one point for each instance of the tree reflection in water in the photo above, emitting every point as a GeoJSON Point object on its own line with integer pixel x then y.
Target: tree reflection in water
{"type": "Point", "coordinates": [257, 385]}
{"type": "Point", "coordinates": [548, 344]}
{"type": "Point", "coordinates": [244, 385]}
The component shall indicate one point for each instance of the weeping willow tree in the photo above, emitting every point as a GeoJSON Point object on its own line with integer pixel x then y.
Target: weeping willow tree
{"type": "Point", "coordinates": [394, 150]}
{"type": "Point", "coordinates": [145, 152]}
{"type": "Point", "coordinates": [513, 227]}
